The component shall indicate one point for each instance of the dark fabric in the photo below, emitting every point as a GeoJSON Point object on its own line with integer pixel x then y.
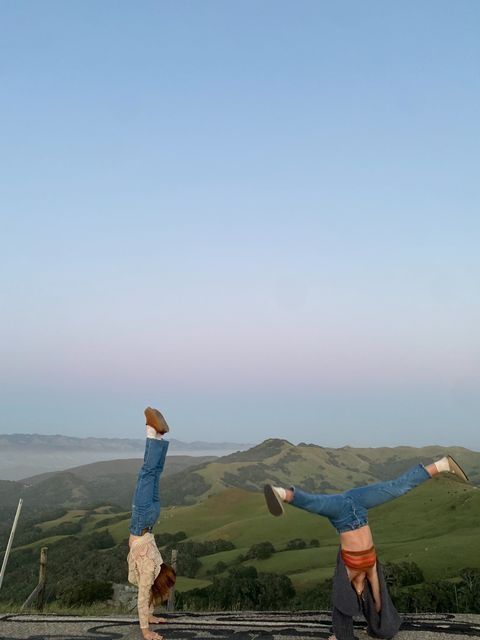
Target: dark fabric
{"type": "Point", "coordinates": [346, 604]}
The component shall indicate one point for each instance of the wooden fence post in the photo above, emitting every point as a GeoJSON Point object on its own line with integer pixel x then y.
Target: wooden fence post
{"type": "Point", "coordinates": [38, 594]}
{"type": "Point", "coordinates": [171, 597]}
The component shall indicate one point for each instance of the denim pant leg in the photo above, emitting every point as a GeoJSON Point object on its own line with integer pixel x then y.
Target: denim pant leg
{"type": "Point", "coordinates": [146, 503]}
{"type": "Point", "coordinates": [376, 494]}
{"type": "Point", "coordinates": [322, 504]}
{"type": "Point", "coordinates": [339, 508]}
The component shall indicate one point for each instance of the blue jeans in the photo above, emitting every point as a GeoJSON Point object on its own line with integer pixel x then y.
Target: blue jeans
{"type": "Point", "coordinates": [348, 511]}
{"type": "Point", "coordinates": [146, 502]}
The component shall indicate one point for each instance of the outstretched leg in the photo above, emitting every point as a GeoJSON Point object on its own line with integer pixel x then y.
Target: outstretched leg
{"type": "Point", "coordinates": [376, 494]}
{"type": "Point", "coordinates": [146, 503]}
{"type": "Point", "coordinates": [322, 504]}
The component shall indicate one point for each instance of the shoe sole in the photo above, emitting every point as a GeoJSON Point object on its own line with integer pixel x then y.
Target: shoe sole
{"type": "Point", "coordinates": [274, 504]}
{"type": "Point", "coordinates": [457, 470]}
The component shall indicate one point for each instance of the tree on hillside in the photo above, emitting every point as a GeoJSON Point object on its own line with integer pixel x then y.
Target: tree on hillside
{"type": "Point", "coordinates": [319, 597]}
{"type": "Point", "coordinates": [220, 567]}
{"type": "Point", "coordinates": [260, 551]}
{"type": "Point", "coordinates": [402, 574]}
{"type": "Point", "coordinates": [277, 592]}
{"type": "Point", "coordinates": [243, 588]}
{"type": "Point", "coordinates": [296, 543]}
{"type": "Point", "coordinates": [85, 592]}
{"type": "Point", "coordinates": [469, 595]}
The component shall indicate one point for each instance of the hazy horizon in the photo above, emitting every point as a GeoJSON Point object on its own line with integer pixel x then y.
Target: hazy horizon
{"type": "Point", "coordinates": [237, 442]}
{"type": "Point", "coordinates": [260, 218]}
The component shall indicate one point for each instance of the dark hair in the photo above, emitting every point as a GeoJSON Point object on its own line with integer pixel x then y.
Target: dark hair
{"type": "Point", "coordinates": [162, 584]}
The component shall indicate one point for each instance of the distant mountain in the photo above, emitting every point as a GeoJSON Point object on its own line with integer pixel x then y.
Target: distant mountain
{"type": "Point", "coordinates": [23, 455]}
{"type": "Point", "coordinates": [314, 468]}
{"type": "Point", "coordinates": [60, 442]}
{"type": "Point", "coordinates": [113, 468]}
{"type": "Point", "coordinates": [311, 467]}
{"type": "Point", "coordinates": [108, 482]}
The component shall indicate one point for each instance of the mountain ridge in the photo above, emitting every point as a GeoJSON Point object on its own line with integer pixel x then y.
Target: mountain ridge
{"type": "Point", "coordinates": [31, 455]}
{"type": "Point", "coordinates": [314, 468]}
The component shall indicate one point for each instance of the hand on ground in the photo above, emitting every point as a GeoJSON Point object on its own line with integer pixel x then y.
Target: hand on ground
{"type": "Point", "coordinates": [156, 620]}
{"type": "Point", "coordinates": [151, 635]}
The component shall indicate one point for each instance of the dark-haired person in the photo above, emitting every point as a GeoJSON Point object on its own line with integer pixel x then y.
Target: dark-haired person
{"type": "Point", "coordinates": [146, 568]}
{"type": "Point", "coordinates": [358, 584]}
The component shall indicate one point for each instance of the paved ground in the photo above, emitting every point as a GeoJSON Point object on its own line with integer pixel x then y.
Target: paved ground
{"type": "Point", "coordinates": [222, 626]}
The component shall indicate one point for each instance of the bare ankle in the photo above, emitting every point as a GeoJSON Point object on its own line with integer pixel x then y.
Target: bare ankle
{"type": "Point", "coordinates": [432, 470]}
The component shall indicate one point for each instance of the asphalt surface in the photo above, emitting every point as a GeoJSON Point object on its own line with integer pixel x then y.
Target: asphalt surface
{"type": "Point", "coordinates": [223, 625]}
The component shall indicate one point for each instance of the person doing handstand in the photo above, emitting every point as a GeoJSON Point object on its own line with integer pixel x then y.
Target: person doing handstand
{"type": "Point", "coordinates": [357, 563]}
{"type": "Point", "coordinates": [146, 568]}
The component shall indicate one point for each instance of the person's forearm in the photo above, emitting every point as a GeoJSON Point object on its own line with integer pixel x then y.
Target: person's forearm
{"type": "Point", "coordinates": [143, 613]}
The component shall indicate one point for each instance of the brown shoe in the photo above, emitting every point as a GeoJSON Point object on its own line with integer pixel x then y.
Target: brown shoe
{"type": "Point", "coordinates": [156, 420]}
{"type": "Point", "coordinates": [273, 500]}
{"type": "Point", "coordinates": [456, 469]}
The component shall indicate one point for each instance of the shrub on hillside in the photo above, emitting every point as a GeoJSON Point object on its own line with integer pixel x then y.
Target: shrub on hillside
{"type": "Point", "coordinates": [183, 488]}
{"type": "Point", "coordinates": [277, 592]}
{"type": "Point", "coordinates": [296, 543]}
{"type": "Point", "coordinates": [189, 552]}
{"type": "Point", "coordinates": [220, 567]}
{"type": "Point", "coordinates": [187, 564]}
{"type": "Point", "coordinates": [99, 540]}
{"type": "Point", "coordinates": [402, 574]}
{"type": "Point", "coordinates": [260, 551]}
{"type": "Point", "coordinates": [85, 592]}
{"type": "Point", "coordinates": [164, 538]}
{"type": "Point", "coordinates": [317, 598]}
{"type": "Point", "coordinates": [242, 589]}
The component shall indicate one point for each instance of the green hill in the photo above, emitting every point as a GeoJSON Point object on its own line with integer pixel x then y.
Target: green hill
{"type": "Point", "coordinates": [435, 526]}
{"type": "Point", "coordinates": [188, 480]}
{"type": "Point", "coordinates": [432, 526]}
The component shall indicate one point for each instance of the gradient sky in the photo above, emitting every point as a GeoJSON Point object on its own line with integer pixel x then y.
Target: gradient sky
{"type": "Point", "coordinates": [262, 217]}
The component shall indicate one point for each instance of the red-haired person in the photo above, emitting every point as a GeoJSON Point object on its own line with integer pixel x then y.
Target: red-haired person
{"type": "Point", "coordinates": [146, 568]}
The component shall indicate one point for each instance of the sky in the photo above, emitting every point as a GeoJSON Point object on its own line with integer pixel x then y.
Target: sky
{"type": "Point", "coordinates": [260, 217]}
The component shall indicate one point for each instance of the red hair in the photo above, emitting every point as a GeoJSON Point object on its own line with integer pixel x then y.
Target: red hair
{"type": "Point", "coordinates": [162, 584]}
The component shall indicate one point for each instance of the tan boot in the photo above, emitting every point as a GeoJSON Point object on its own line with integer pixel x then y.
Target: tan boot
{"type": "Point", "coordinates": [456, 469]}
{"type": "Point", "coordinates": [155, 419]}
{"type": "Point", "coordinates": [273, 500]}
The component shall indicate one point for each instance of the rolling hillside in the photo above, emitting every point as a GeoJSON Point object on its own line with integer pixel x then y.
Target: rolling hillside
{"type": "Point", "coordinates": [433, 526]}
{"type": "Point", "coordinates": [188, 480]}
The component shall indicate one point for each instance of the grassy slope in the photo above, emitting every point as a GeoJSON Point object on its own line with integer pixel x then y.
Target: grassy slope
{"type": "Point", "coordinates": [436, 525]}
{"type": "Point", "coordinates": [321, 469]}
{"type": "Point", "coordinates": [313, 467]}
{"type": "Point", "coordinates": [70, 516]}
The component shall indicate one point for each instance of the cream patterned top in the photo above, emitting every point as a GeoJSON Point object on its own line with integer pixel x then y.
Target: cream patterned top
{"type": "Point", "coordinates": [144, 563]}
